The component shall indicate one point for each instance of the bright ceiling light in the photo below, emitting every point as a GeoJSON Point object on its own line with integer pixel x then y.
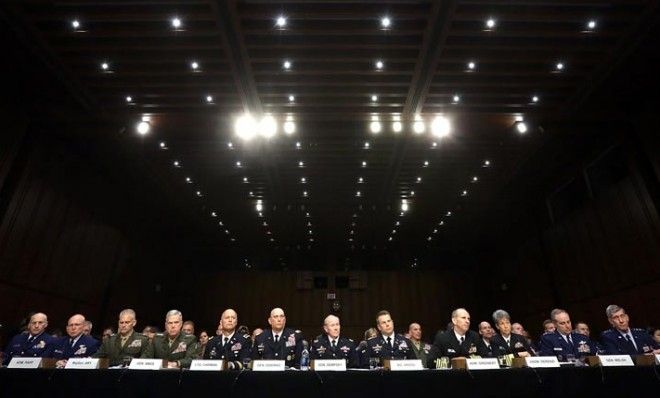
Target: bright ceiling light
{"type": "Point", "coordinates": [426, 163]}
{"type": "Point", "coordinates": [176, 23]}
{"type": "Point", "coordinates": [486, 163]}
{"type": "Point", "coordinates": [440, 127]}
{"type": "Point", "coordinates": [209, 99]}
{"type": "Point", "coordinates": [456, 99]}
{"type": "Point", "coordinates": [364, 163]}
{"type": "Point", "coordinates": [490, 23]}
{"type": "Point", "coordinates": [301, 164]}
{"type": "Point", "coordinates": [259, 206]}
{"type": "Point", "coordinates": [559, 66]}
{"type": "Point", "coordinates": [105, 66]}
{"type": "Point", "coordinates": [239, 164]}
{"type": "Point", "coordinates": [404, 205]}
{"type": "Point", "coordinates": [286, 65]}
{"type": "Point", "coordinates": [385, 22]}
{"type": "Point", "coordinates": [475, 179]}
{"type": "Point", "coordinates": [267, 126]}
{"type": "Point", "coordinates": [471, 65]}
{"type": "Point", "coordinates": [188, 180]}
{"type": "Point", "coordinates": [176, 163]}
{"type": "Point", "coordinates": [129, 99]}
{"type": "Point", "coordinates": [397, 127]}
{"type": "Point", "coordinates": [418, 126]}
{"type": "Point", "coordinates": [194, 65]}
{"type": "Point", "coordinates": [290, 128]}
{"type": "Point", "coordinates": [298, 145]}
{"type": "Point", "coordinates": [245, 179]}
{"type": "Point", "coordinates": [198, 193]}
{"type": "Point", "coordinates": [464, 193]}
{"type": "Point", "coordinates": [591, 25]}
{"type": "Point", "coordinates": [366, 145]}
{"type": "Point", "coordinates": [375, 127]}
{"type": "Point", "coordinates": [143, 127]}
{"type": "Point", "coordinates": [230, 145]}
{"type": "Point", "coordinates": [374, 98]}
{"type": "Point", "coordinates": [358, 194]}
{"type": "Point", "coordinates": [292, 98]}
{"type": "Point", "coordinates": [280, 22]}
{"type": "Point", "coordinates": [360, 180]}
{"type": "Point", "coordinates": [419, 179]}
{"type": "Point", "coordinates": [535, 98]}
{"type": "Point", "coordinates": [521, 127]}
{"type": "Point", "coordinates": [303, 180]}
{"type": "Point", "coordinates": [379, 65]}
{"type": "Point", "coordinates": [75, 24]}
{"type": "Point", "coordinates": [246, 127]}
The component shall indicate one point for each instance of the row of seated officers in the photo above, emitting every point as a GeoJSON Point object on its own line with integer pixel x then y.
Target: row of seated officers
{"type": "Point", "coordinates": [285, 343]}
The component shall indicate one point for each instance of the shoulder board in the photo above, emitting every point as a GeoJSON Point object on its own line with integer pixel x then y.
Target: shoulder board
{"type": "Point", "coordinates": [371, 338]}
{"type": "Point", "coordinates": [297, 331]}
{"type": "Point", "coordinates": [246, 336]}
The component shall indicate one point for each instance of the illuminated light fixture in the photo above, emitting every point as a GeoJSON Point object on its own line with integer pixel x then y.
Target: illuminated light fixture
{"type": "Point", "coordinates": [456, 99]}
{"type": "Point", "coordinates": [397, 126]}
{"type": "Point", "coordinates": [309, 232]}
{"type": "Point", "coordinates": [471, 66]}
{"type": "Point", "coordinates": [227, 231]}
{"type": "Point", "coordinates": [239, 164]}
{"type": "Point", "coordinates": [220, 223]}
{"type": "Point", "coordinates": [246, 127]}
{"type": "Point", "coordinates": [393, 231]}
{"type": "Point", "coordinates": [292, 98]}
{"type": "Point", "coordinates": [426, 163]}
{"type": "Point", "coordinates": [375, 127]}
{"type": "Point", "coordinates": [286, 65]}
{"type": "Point", "coordinates": [143, 127]}
{"type": "Point", "coordinates": [404, 206]}
{"type": "Point", "coordinates": [209, 99]}
{"type": "Point", "coordinates": [559, 66]}
{"type": "Point", "coordinates": [434, 144]}
{"type": "Point", "coordinates": [591, 25]}
{"type": "Point", "coordinates": [301, 163]}
{"type": "Point", "coordinates": [441, 223]}
{"type": "Point", "coordinates": [146, 118]}
{"type": "Point", "coordinates": [298, 145]}
{"type": "Point", "coordinates": [245, 179]}
{"type": "Point", "coordinates": [188, 180]}
{"type": "Point", "coordinates": [412, 193]}
{"type": "Point", "coordinates": [475, 179]}
{"type": "Point", "coordinates": [105, 66]}
{"type": "Point", "coordinates": [261, 214]}
{"type": "Point", "coordinates": [435, 231]}
{"type": "Point", "coordinates": [75, 24]}
{"type": "Point", "coordinates": [418, 126]}
{"type": "Point", "coordinates": [251, 194]}
{"type": "Point", "coordinates": [535, 98]}
{"type": "Point", "coordinates": [303, 180]}
{"type": "Point", "coordinates": [176, 163]}
{"type": "Point", "coordinates": [306, 214]}
{"type": "Point", "coordinates": [358, 194]}
{"type": "Point", "coordinates": [397, 223]}
{"type": "Point", "coordinates": [385, 22]}
{"type": "Point", "coordinates": [464, 193]}
{"type": "Point", "coordinates": [290, 128]}
{"type": "Point", "coordinates": [176, 23]}
{"type": "Point", "coordinates": [360, 180]}
{"type": "Point", "coordinates": [162, 145]}
{"type": "Point", "coordinates": [521, 127]}
{"type": "Point", "coordinates": [194, 65]}
{"type": "Point", "coordinates": [449, 214]}
{"type": "Point", "coordinates": [198, 193]}
{"type": "Point", "coordinates": [259, 206]}
{"type": "Point", "coordinates": [230, 145]}
{"type": "Point", "coordinates": [214, 214]}
{"type": "Point", "coordinates": [419, 179]}
{"type": "Point", "coordinates": [486, 163]}
{"type": "Point", "coordinates": [440, 127]}
{"type": "Point", "coordinates": [374, 98]}
{"type": "Point", "coordinates": [429, 239]}
{"type": "Point", "coordinates": [280, 22]}
{"type": "Point", "coordinates": [267, 127]}
{"type": "Point", "coordinates": [389, 239]}
{"type": "Point", "coordinates": [129, 99]}
{"type": "Point", "coordinates": [364, 163]}
{"type": "Point", "coordinates": [366, 145]}
{"type": "Point", "coordinates": [490, 24]}
{"type": "Point", "coordinates": [305, 194]}
{"type": "Point", "coordinates": [379, 65]}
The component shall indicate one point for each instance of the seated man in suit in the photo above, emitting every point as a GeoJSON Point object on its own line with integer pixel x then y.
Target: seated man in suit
{"type": "Point", "coordinates": [332, 345]}
{"type": "Point", "coordinates": [127, 344]}
{"type": "Point", "coordinates": [563, 343]}
{"type": "Point", "coordinates": [458, 342]}
{"type": "Point", "coordinates": [77, 344]}
{"type": "Point", "coordinates": [621, 339]}
{"type": "Point", "coordinates": [178, 348]}
{"type": "Point", "coordinates": [386, 344]}
{"type": "Point", "coordinates": [279, 342]}
{"type": "Point", "coordinates": [485, 345]}
{"type": "Point", "coordinates": [230, 345]}
{"type": "Point", "coordinates": [507, 342]}
{"type": "Point", "coordinates": [35, 343]}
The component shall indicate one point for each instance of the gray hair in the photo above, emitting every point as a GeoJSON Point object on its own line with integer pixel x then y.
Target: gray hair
{"type": "Point", "coordinates": [454, 313]}
{"type": "Point", "coordinates": [172, 313]}
{"type": "Point", "coordinates": [556, 312]}
{"type": "Point", "coordinates": [128, 312]}
{"type": "Point", "coordinates": [500, 314]}
{"type": "Point", "coordinates": [611, 309]}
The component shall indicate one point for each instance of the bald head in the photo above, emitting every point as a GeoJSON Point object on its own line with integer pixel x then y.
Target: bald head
{"type": "Point", "coordinates": [75, 326]}
{"type": "Point", "coordinates": [228, 321]}
{"type": "Point", "coordinates": [460, 319]}
{"type": "Point", "coordinates": [331, 326]}
{"type": "Point", "coordinates": [277, 320]}
{"type": "Point", "coordinates": [38, 323]}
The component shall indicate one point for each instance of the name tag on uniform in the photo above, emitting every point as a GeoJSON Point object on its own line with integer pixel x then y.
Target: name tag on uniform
{"type": "Point", "coordinates": [482, 363]}
{"type": "Point", "coordinates": [82, 363]}
{"type": "Point", "coordinates": [542, 362]}
{"type": "Point", "coordinates": [336, 365]}
{"type": "Point", "coordinates": [268, 365]}
{"type": "Point", "coordinates": [24, 363]}
{"type": "Point", "coordinates": [146, 364]}
{"type": "Point", "coordinates": [404, 364]}
{"type": "Point", "coordinates": [207, 364]}
{"type": "Point", "coordinates": [616, 360]}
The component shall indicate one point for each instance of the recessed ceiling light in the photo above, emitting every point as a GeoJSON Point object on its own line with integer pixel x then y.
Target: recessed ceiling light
{"type": "Point", "coordinates": [535, 98]}
{"type": "Point", "coordinates": [412, 193]}
{"type": "Point", "coordinates": [404, 206]}
{"type": "Point", "coordinates": [286, 65]}
{"type": "Point", "coordinates": [394, 231]}
{"type": "Point", "coordinates": [456, 99]}
{"type": "Point", "coordinates": [214, 214]}
{"type": "Point", "coordinates": [374, 98]}
{"type": "Point", "coordinates": [239, 164]}
{"type": "Point", "coordinates": [198, 193]}
{"type": "Point", "coordinates": [245, 179]}
{"type": "Point", "coordinates": [280, 22]}
{"type": "Point", "coordinates": [521, 127]}
{"type": "Point", "coordinates": [305, 193]}
{"type": "Point", "coordinates": [105, 66]}
{"type": "Point", "coordinates": [449, 214]}
{"type": "Point", "coordinates": [303, 180]}
{"type": "Point", "coordinates": [486, 163]}
{"type": "Point", "coordinates": [292, 98]}
{"type": "Point", "coordinates": [366, 145]}
{"type": "Point", "coordinates": [559, 66]}
{"type": "Point", "coordinates": [464, 193]}
{"type": "Point", "coordinates": [360, 180]}
{"type": "Point", "coordinates": [209, 99]}
{"type": "Point", "coordinates": [591, 25]}
{"type": "Point", "coordinates": [301, 163]}
{"type": "Point", "coordinates": [364, 163]}
{"type": "Point", "coordinates": [176, 163]}
{"type": "Point", "coordinates": [358, 194]}
{"type": "Point", "coordinates": [129, 99]}
{"type": "Point", "coordinates": [290, 128]}
{"type": "Point", "coordinates": [375, 127]}
{"type": "Point", "coordinates": [385, 22]}
{"type": "Point", "coordinates": [251, 193]}
{"type": "Point", "coordinates": [472, 65]}
{"type": "Point", "coordinates": [490, 23]}
{"type": "Point", "coordinates": [435, 231]}
{"type": "Point", "coordinates": [259, 206]}
{"type": "Point", "coordinates": [163, 145]}
{"type": "Point", "coordinates": [475, 179]}
{"type": "Point", "coordinates": [230, 145]}
{"type": "Point", "coordinates": [227, 231]}
{"type": "Point", "coordinates": [419, 179]}
{"type": "Point", "coordinates": [267, 127]}
{"type": "Point", "coordinates": [75, 24]}
{"type": "Point", "coordinates": [143, 127]}
{"type": "Point", "coordinates": [418, 126]}
{"type": "Point", "coordinates": [189, 180]}
{"type": "Point", "coordinates": [440, 127]}
{"type": "Point", "coordinates": [194, 65]}
{"type": "Point", "coordinates": [246, 127]}
{"type": "Point", "coordinates": [176, 22]}
{"type": "Point", "coordinates": [379, 65]}
{"type": "Point", "coordinates": [397, 127]}
{"type": "Point", "coordinates": [434, 144]}
{"type": "Point", "coordinates": [426, 163]}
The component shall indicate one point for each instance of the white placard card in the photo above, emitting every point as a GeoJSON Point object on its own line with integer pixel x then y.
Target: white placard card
{"type": "Point", "coordinates": [542, 362]}
{"type": "Point", "coordinates": [146, 364]}
{"type": "Point", "coordinates": [268, 365]}
{"type": "Point", "coordinates": [24, 363]}
{"type": "Point", "coordinates": [207, 364]}
{"type": "Point", "coordinates": [406, 364]}
{"type": "Point", "coordinates": [325, 365]}
{"type": "Point", "coordinates": [616, 360]}
{"type": "Point", "coordinates": [482, 363]}
{"type": "Point", "coordinates": [82, 363]}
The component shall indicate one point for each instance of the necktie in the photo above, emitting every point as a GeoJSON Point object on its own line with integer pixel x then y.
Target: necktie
{"type": "Point", "coordinates": [30, 338]}
{"type": "Point", "coordinates": [508, 342]}
{"type": "Point", "coordinates": [123, 340]}
{"type": "Point", "coordinates": [277, 338]}
{"type": "Point", "coordinates": [569, 339]}
{"type": "Point", "coordinates": [389, 341]}
{"type": "Point", "coordinates": [71, 341]}
{"type": "Point", "coordinates": [462, 339]}
{"type": "Point", "coordinates": [334, 343]}
{"type": "Point", "coordinates": [630, 342]}
{"type": "Point", "coordinates": [226, 339]}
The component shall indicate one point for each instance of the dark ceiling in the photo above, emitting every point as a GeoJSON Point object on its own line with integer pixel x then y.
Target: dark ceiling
{"type": "Point", "coordinates": [342, 209]}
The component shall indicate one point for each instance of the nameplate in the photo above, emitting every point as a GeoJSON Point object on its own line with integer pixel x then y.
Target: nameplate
{"type": "Point", "coordinates": [329, 365]}
{"type": "Point", "coordinates": [616, 360]}
{"type": "Point", "coordinates": [82, 363]}
{"type": "Point", "coordinates": [24, 363]}
{"type": "Point", "coordinates": [542, 362]}
{"type": "Point", "coordinates": [268, 365]}
{"type": "Point", "coordinates": [482, 363]}
{"type": "Point", "coordinates": [404, 364]}
{"type": "Point", "coordinates": [146, 364]}
{"type": "Point", "coordinates": [207, 364]}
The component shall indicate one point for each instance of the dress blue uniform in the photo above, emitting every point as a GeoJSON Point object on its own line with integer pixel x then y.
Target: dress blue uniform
{"type": "Point", "coordinates": [378, 347]}
{"type": "Point", "coordinates": [26, 345]}
{"type": "Point", "coordinates": [517, 344]}
{"type": "Point", "coordinates": [344, 348]}
{"type": "Point", "coordinates": [614, 343]}
{"type": "Point", "coordinates": [85, 346]}
{"type": "Point", "coordinates": [554, 344]}
{"type": "Point", "coordinates": [288, 347]}
{"type": "Point", "coordinates": [235, 350]}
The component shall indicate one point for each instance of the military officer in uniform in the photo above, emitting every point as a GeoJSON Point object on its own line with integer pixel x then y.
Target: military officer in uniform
{"type": "Point", "coordinates": [621, 339]}
{"type": "Point", "coordinates": [563, 343]}
{"type": "Point", "coordinates": [127, 344]}
{"type": "Point", "coordinates": [174, 346]}
{"type": "Point", "coordinates": [507, 342]}
{"type": "Point", "coordinates": [77, 344]}
{"type": "Point", "coordinates": [233, 347]}
{"type": "Point", "coordinates": [35, 343]}
{"type": "Point", "coordinates": [420, 348]}
{"type": "Point", "coordinates": [279, 342]}
{"type": "Point", "coordinates": [484, 345]}
{"type": "Point", "coordinates": [460, 341]}
{"type": "Point", "coordinates": [331, 345]}
{"type": "Point", "coordinates": [386, 344]}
